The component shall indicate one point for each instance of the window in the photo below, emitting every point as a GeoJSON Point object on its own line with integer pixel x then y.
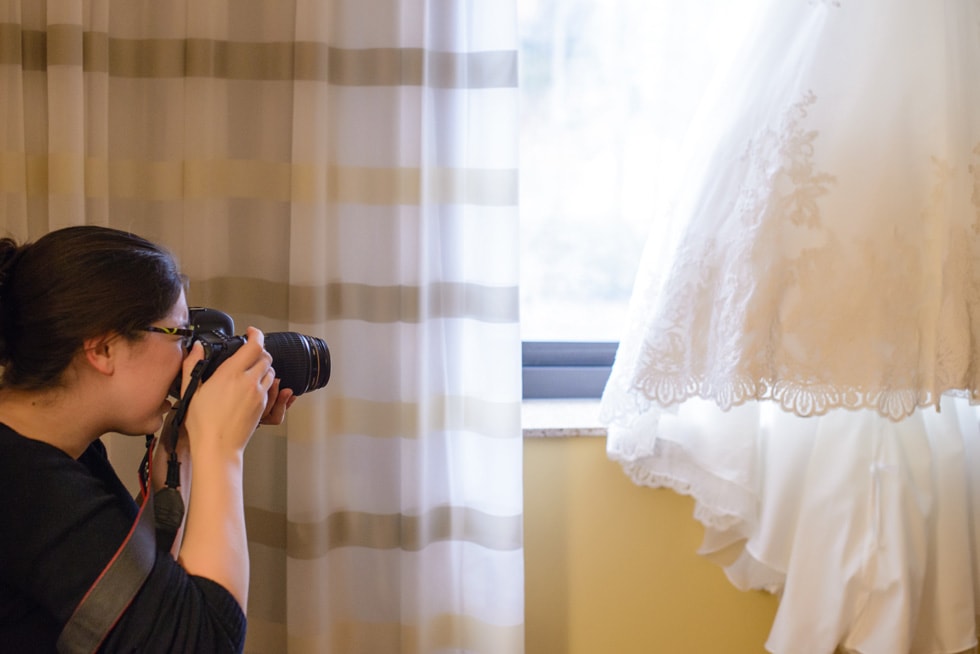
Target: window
{"type": "Point", "coordinates": [607, 90]}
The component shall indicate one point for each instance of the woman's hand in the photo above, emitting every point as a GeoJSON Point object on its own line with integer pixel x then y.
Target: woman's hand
{"type": "Point", "coordinates": [226, 409]}
{"type": "Point", "coordinates": [220, 420]}
{"type": "Point", "coordinates": [279, 401]}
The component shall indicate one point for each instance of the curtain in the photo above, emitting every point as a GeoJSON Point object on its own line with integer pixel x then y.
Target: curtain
{"type": "Point", "coordinates": [344, 169]}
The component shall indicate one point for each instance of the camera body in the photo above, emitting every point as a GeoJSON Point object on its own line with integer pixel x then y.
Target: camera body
{"type": "Point", "coordinates": [215, 330]}
{"type": "Point", "coordinates": [301, 362]}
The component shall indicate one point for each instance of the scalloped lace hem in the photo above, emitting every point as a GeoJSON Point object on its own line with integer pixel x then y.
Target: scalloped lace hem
{"type": "Point", "coordinates": [802, 399]}
{"type": "Point", "coordinates": [718, 503]}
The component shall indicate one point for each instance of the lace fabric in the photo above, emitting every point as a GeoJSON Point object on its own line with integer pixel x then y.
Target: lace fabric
{"type": "Point", "coordinates": [828, 255]}
{"type": "Point", "coordinates": [805, 311]}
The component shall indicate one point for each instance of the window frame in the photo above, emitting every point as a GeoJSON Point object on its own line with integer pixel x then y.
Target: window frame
{"type": "Point", "coordinates": [566, 369]}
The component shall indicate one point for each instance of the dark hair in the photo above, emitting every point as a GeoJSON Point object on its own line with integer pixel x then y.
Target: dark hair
{"type": "Point", "coordinates": [73, 284]}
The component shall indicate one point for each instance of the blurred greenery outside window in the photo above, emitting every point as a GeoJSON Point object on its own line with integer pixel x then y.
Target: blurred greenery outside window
{"type": "Point", "coordinates": [608, 88]}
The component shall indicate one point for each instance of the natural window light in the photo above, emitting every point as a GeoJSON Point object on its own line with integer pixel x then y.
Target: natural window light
{"type": "Point", "coordinates": [607, 90]}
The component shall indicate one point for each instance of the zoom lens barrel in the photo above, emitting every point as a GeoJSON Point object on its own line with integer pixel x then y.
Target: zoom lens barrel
{"type": "Point", "coordinates": [302, 362]}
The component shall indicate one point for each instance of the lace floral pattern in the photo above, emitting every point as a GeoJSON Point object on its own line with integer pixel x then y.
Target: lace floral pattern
{"type": "Point", "coordinates": [818, 282]}
{"type": "Point", "coordinates": [767, 298]}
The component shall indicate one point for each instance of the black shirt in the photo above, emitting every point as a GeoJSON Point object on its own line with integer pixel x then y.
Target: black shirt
{"type": "Point", "coordinates": [61, 521]}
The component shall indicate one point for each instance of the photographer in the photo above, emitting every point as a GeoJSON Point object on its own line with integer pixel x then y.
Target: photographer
{"type": "Point", "coordinates": [88, 346]}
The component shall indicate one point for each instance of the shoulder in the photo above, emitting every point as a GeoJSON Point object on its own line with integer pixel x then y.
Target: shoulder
{"type": "Point", "coordinates": [28, 467]}
{"type": "Point", "coordinates": [57, 493]}
{"type": "Point", "coordinates": [65, 525]}
{"type": "Point", "coordinates": [23, 458]}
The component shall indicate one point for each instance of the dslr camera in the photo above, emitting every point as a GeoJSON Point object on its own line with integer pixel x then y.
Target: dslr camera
{"type": "Point", "coordinates": [301, 362]}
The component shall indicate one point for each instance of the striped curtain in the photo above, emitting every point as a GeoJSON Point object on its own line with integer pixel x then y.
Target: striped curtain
{"type": "Point", "coordinates": [345, 169]}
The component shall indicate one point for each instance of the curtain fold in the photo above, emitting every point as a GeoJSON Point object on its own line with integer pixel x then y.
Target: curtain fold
{"type": "Point", "coordinates": [345, 169]}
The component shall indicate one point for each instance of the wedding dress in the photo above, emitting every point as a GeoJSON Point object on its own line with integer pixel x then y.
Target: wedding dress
{"type": "Point", "coordinates": [803, 349]}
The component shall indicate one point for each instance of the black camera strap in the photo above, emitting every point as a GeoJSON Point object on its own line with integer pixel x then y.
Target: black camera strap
{"type": "Point", "coordinates": [169, 503]}
{"type": "Point", "coordinates": [155, 528]}
{"type": "Point", "coordinates": [114, 589]}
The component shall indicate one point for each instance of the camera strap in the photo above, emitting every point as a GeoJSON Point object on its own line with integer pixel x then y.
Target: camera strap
{"type": "Point", "coordinates": [169, 512]}
{"type": "Point", "coordinates": [116, 586]}
{"type": "Point", "coordinates": [155, 528]}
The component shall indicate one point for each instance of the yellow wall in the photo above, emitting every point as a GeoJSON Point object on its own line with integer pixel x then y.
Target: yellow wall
{"type": "Point", "coordinates": [611, 567]}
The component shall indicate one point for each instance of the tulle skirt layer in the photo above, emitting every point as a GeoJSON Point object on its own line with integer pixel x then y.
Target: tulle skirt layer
{"type": "Point", "coordinates": [812, 300]}
{"type": "Point", "coordinates": [866, 527]}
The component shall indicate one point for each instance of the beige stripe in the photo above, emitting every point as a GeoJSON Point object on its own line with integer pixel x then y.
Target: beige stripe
{"type": "Point", "coordinates": [10, 44]}
{"type": "Point", "coordinates": [383, 531]}
{"type": "Point", "coordinates": [257, 61]}
{"type": "Point", "coordinates": [95, 52]}
{"type": "Point", "coordinates": [37, 171]}
{"type": "Point", "coordinates": [376, 304]}
{"type": "Point", "coordinates": [56, 174]}
{"type": "Point", "coordinates": [13, 173]}
{"type": "Point", "coordinates": [60, 45]}
{"type": "Point", "coordinates": [404, 186]}
{"type": "Point", "coordinates": [37, 176]}
{"type": "Point", "coordinates": [34, 50]}
{"type": "Point", "coordinates": [165, 180]}
{"type": "Point", "coordinates": [237, 179]}
{"type": "Point", "coordinates": [282, 182]}
{"type": "Point", "coordinates": [417, 67]}
{"type": "Point", "coordinates": [266, 634]}
{"type": "Point", "coordinates": [445, 633]}
{"type": "Point", "coordinates": [349, 415]}
{"type": "Point", "coordinates": [462, 633]}
{"type": "Point", "coordinates": [64, 45]}
{"type": "Point", "coordinates": [269, 580]}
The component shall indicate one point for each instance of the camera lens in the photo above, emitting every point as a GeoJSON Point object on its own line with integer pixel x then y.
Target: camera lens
{"type": "Point", "coordinates": [302, 362]}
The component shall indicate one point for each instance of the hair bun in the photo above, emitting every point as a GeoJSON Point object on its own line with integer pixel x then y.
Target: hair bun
{"type": "Point", "coordinates": [9, 251]}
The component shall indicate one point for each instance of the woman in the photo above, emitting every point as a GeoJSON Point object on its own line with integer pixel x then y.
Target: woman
{"type": "Point", "coordinates": [84, 314]}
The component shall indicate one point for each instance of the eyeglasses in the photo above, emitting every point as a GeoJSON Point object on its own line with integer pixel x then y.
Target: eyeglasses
{"type": "Point", "coordinates": [186, 333]}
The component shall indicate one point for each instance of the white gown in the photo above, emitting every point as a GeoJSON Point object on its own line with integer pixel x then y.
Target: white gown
{"type": "Point", "coordinates": [803, 351]}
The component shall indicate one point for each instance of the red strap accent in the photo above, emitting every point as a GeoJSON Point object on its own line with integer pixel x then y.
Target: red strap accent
{"type": "Point", "coordinates": [116, 586]}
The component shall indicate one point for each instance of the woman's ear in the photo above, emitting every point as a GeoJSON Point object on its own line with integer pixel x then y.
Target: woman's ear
{"type": "Point", "coordinates": [100, 353]}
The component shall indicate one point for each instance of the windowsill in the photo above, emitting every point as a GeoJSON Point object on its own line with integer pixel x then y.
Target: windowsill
{"type": "Point", "coordinates": [561, 418]}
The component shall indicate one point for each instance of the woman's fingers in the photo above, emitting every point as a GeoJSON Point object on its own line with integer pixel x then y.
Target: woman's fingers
{"type": "Point", "coordinates": [279, 400]}
{"type": "Point", "coordinates": [234, 398]}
